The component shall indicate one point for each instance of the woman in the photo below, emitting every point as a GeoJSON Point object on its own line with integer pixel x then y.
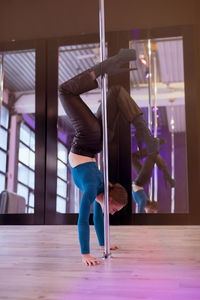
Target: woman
{"type": "Point", "coordinates": [87, 143]}
{"type": "Point", "coordinates": [144, 173]}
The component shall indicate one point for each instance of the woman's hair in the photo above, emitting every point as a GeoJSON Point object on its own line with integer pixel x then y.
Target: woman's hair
{"type": "Point", "coordinates": [153, 205]}
{"type": "Point", "coordinates": [118, 194]}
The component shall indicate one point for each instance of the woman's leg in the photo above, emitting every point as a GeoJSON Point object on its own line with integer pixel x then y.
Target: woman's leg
{"type": "Point", "coordinates": [112, 65]}
{"type": "Point", "coordinates": [136, 162]}
{"type": "Point", "coordinates": [141, 199]}
{"type": "Point", "coordinates": [120, 102]}
{"type": "Point", "coordinates": [163, 167]}
{"type": "Point", "coordinates": [143, 172]}
{"type": "Point", "coordinates": [87, 140]}
{"type": "Point", "coordinates": [133, 114]}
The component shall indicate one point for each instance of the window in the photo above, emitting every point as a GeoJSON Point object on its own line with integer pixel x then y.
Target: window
{"type": "Point", "coordinates": [4, 125]}
{"type": "Point", "coordinates": [61, 199]}
{"type": "Point", "coordinates": [26, 166]}
{"type": "Point", "coordinates": [73, 59]}
{"type": "Point", "coordinates": [157, 86]}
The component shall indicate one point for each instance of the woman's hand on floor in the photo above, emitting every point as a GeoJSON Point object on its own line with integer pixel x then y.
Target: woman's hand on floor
{"type": "Point", "coordinates": [88, 260]}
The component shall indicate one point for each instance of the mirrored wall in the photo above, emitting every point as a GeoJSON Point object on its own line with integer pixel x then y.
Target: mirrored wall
{"type": "Point", "coordinates": [17, 131]}
{"type": "Point", "coordinates": [35, 140]}
{"type": "Point", "coordinates": [72, 61]}
{"type": "Point", "coordinates": [157, 86]}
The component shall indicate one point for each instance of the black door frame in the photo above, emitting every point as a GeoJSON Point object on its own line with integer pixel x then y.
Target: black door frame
{"type": "Point", "coordinates": [46, 127]}
{"type": "Point", "coordinates": [51, 216]}
{"type": "Point", "coordinates": [117, 40]}
{"type": "Point", "coordinates": [40, 132]}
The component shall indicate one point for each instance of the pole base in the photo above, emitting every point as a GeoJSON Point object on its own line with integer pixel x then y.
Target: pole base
{"type": "Point", "coordinates": [105, 255]}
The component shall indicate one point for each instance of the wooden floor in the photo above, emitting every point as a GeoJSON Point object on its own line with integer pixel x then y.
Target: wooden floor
{"type": "Point", "coordinates": [154, 263]}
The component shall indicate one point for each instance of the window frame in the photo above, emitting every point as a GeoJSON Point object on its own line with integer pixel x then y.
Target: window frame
{"type": "Point", "coordinates": [117, 40]}
{"type": "Point", "coordinates": [30, 190]}
{"type": "Point", "coordinates": [5, 174]}
{"type": "Point", "coordinates": [40, 128]}
{"type": "Point", "coordinates": [46, 127]}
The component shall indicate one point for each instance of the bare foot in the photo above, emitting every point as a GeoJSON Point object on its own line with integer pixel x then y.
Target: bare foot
{"type": "Point", "coordinates": [112, 247]}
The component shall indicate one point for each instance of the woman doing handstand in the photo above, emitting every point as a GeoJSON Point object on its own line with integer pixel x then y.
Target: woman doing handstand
{"type": "Point", "coordinates": [87, 143]}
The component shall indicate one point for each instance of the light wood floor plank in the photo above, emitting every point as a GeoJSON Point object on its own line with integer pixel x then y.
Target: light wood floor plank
{"type": "Point", "coordinates": [153, 263]}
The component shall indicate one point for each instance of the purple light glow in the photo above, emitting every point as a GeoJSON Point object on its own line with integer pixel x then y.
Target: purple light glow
{"type": "Point", "coordinates": [29, 121]}
{"type": "Point", "coordinates": [147, 76]}
{"type": "Point", "coordinates": [135, 33]}
{"type": "Point", "coordinates": [153, 108]}
{"type": "Point", "coordinates": [62, 137]}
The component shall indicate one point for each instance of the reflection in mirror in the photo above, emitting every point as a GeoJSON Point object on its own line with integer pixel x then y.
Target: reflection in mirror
{"type": "Point", "coordinates": [72, 61]}
{"type": "Point", "coordinates": [158, 88]}
{"type": "Point", "coordinates": [17, 132]}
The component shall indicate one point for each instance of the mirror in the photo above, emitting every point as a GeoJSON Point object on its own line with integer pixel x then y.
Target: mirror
{"type": "Point", "coordinates": [17, 132]}
{"type": "Point", "coordinates": [72, 61]}
{"type": "Point", "coordinates": [157, 86]}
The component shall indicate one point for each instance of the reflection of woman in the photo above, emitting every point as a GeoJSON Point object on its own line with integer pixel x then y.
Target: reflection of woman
{"type": "Point", "coordinates": [144, 173]}
{"type": "Point", "coordinates": [87, 143]}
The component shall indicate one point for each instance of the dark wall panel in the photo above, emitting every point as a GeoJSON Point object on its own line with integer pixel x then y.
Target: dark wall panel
{"type": "Point", "coordinates": [22, 19]}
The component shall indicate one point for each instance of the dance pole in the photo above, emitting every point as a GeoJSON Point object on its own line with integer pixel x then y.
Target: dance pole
{"type": "Point", "coordinates": [149, 106]}
{"type": "Point", "coordinates": [172, 123]}
{"type": "Point", "coordinates": [155, 125]}
{"type": "Point", "coordinates": [2, 79]}
{"type": "Point", "coordinates": [105, 136]}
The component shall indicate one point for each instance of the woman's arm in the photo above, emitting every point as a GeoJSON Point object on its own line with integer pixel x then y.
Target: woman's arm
{"type": "Point", "coordinates": [98, 222]}
{"type": "Point", "coordinates": [99, 226]}
{"type": "Point", "coordinates": [83, 226]}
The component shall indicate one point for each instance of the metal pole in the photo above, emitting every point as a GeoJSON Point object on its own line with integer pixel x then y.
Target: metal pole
{"type": "Point", "coordinates": [2, 81]}
{"type": "Point", "coordinates": [155, 126]}
{"type": "Point", "coordinates": [172, 123]}
{"type": "Point", "coordinates": [105, 137]}
{"type": "Point", "coordinates": [149, 106]}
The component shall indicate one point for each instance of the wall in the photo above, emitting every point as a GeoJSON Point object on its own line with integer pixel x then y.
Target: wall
{"type": "Point", "coordinates": [42, 19]}
{"type": "Point", "coordinates": [32, 19]}
{"type": "Point", "coordinates": [35, 19]}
